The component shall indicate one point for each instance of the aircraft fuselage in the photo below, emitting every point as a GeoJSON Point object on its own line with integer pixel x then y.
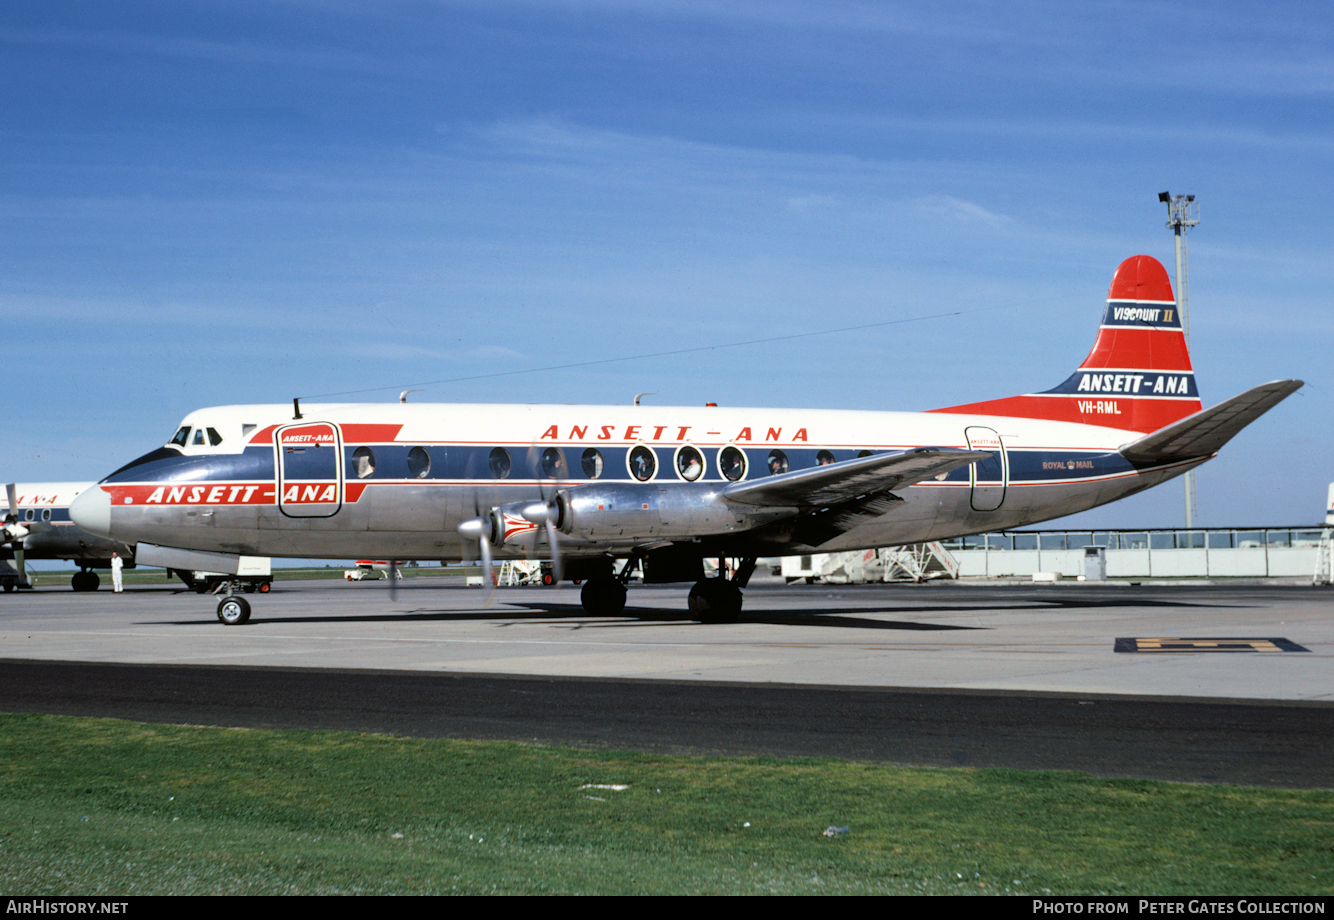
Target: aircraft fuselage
{"type": "Point", "coordinates": [396, 481]}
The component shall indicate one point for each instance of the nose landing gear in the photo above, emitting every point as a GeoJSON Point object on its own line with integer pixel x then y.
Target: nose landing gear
{"type": "Point", "coordinates": [234, 611]}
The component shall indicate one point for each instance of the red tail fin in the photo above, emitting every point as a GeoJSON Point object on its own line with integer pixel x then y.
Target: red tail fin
{"type": "Point", "coordinates": [1138, 375]}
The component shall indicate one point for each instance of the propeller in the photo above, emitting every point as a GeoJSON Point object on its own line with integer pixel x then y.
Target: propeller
{"type": "Point", "coordinates": [545, 513]}
{"type": "Point", "coordinates": [481, 528]}
{"type": "Point", "coordinates": [14, 532]}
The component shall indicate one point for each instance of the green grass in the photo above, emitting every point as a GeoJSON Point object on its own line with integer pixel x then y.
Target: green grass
{"type": "Point", "coordinates": [99, 806]}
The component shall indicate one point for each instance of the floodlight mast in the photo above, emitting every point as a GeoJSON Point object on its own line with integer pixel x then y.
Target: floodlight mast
{"type": "Point", "coordinates": [1183, 212]}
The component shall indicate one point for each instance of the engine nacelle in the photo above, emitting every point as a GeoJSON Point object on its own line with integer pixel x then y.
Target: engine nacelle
{"type": "Point", "coordinates": [670, 511]}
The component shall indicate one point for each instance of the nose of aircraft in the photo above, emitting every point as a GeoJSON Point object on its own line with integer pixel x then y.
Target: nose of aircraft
{"type": "Point", "coordinates": [92, 511]}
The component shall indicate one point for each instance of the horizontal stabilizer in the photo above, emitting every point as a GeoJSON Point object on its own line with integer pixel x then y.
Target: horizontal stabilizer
{"type": "Point", "coordinates": [1203, 433]}
{"type": "Point", "coordinates": [840, 482]}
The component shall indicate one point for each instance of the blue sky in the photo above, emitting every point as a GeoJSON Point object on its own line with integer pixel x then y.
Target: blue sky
{"type": "Point", "coordinates": [205, 204]}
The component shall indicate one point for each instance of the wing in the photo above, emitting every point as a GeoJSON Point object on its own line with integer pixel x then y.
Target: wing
{"type": "Point", "coordinates": [1203, 433]}
{"type": "Point", "coordinates": [831, 500]}
{"type": "Point", "coordinates": [837, 483]}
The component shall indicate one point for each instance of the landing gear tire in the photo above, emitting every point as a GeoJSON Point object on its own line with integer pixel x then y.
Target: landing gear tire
{"type": "Point", "coordinates": [715, 600]}
{"type": "Point", "coordinates": [85, 581]}
{"type": "Point", "coordinates": [234, 611]}
{"type": "Point", "coordinates": [9, 586]}
{"type": "Point", "coordinates": [603, 597]}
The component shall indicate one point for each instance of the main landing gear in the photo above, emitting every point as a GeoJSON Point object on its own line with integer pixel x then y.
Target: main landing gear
{"type": "Point", "coordinates": [712, 600]}
{"type": "Point", "coordinates": [604, 595]}
{"type": "Point", "coordinates": [718, 600]}
{"type": "Point", "coordinates": [85, 580]}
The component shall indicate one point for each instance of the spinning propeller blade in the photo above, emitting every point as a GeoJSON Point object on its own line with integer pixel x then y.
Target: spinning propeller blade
{"type": "Point", "coordinates": [14, 532]}
{"type": "Point", "coordinates": [481, 528]}
{"type": "Point", "coordinates": [546, 513]}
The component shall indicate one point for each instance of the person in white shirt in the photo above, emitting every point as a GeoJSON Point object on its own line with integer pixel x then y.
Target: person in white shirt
{"type": "Point", "coordinates": [116, 563]}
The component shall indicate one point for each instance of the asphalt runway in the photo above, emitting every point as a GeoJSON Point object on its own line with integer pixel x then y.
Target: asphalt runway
{"type": "Point", "coordinates": [1026, 677]}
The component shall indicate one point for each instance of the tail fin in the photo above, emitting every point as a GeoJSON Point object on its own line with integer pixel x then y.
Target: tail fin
{"type": "Point", "coordinates": [1137, 377]}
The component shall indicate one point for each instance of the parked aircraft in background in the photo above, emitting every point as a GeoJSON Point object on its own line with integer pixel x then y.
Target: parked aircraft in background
{"type": "Point", "coordinates": [600, 488]}
{"type": "Point", "coordinates": [38, 526]}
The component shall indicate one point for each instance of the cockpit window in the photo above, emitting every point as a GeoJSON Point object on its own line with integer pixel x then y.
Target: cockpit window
{"type": "Point", "coordinates": [199, 438]}
{"type": "Point", "coordinates": [182, 436]}
{"type": "Point", "coordinates": [213, 437]}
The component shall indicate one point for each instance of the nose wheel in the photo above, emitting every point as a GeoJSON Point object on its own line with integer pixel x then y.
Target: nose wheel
{"type": "Point", "coordinates": [234, 611]}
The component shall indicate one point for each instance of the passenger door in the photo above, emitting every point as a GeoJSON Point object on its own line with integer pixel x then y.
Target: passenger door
{"type": "Point", "coordinates": [989, 477]}
{"type": "Point", "coordinates": [309, 469]}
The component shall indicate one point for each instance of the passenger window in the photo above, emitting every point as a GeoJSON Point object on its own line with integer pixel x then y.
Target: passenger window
{"type": "Point", "coordinates": [592, 463]}
{"type": "Point", "coordinates": [28, 515]}
{"type": "Point", "coordinates": [419, 463]}
{"type": "Point", "coordinates": [863, 453]}
{"type": "Point", "coordinates": [732, 462]}
{"type": "Point", "coordinates": [689, 464]}
{"type": "Point", "coordinates": [824, 458]}
{"type": "Point", "coordinates": [777, 462]}
{"type": "Point", "coordinates": [363, 462]}
{"type": "Point", "coordinates": [553, 463]}
{"type": "Point", "coordinates": [500, 463]}
{"type": "Point", "coordinates": [643, 464]}
{"type": "Point", "coordinates": [46, 514]}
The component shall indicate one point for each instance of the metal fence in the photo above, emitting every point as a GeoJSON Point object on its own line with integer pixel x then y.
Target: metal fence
{"type": "Point", "coordinates": [1212, 552]}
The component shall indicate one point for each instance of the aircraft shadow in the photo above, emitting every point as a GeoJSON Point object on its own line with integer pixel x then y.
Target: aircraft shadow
{"type": "Point", "coordinates": [575, 613]}
{"type": "Point", "coordinates": [635, 616]}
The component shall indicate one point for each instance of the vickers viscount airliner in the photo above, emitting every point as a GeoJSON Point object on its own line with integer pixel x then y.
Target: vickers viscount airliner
{"type": "Point", "coordinates": [38, 526]}
{"type": "Point", "coordinates": [602, 489]}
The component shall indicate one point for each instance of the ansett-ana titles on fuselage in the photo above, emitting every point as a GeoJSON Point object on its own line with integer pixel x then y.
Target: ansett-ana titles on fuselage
{"type": "Point", "coordinates": [676, 484]}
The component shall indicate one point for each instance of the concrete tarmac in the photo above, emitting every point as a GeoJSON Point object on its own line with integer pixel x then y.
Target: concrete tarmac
{"type": "Point", "coordinates": [1043, 639]}
{"type": "Point", "coordinates": [941, 674]}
